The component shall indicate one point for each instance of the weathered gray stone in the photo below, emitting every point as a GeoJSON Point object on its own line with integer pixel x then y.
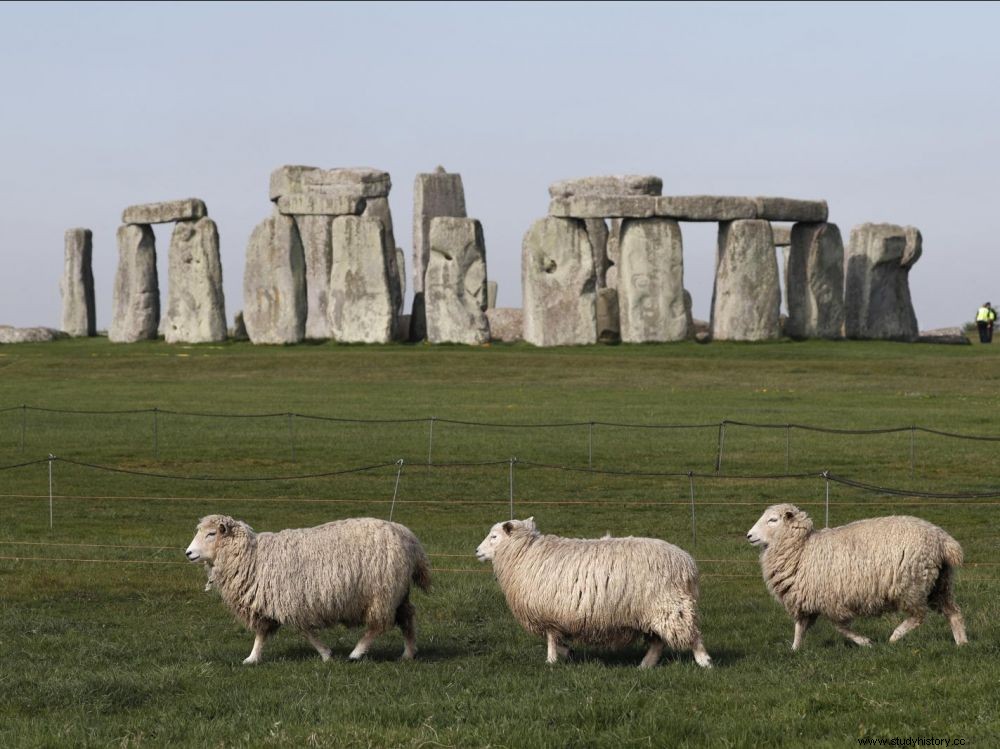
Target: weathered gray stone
{"type": "Point", "coordinates": [705, 207]}
{"type": "Point", "coordinates": [455, 282]}
{"type": "Point", "coordinates": [558, 284]}
{"type": "Point", "coordinates": [136, 298]}
{"type": "Point", "coordinates": [418, 319]}
{"type": "Point", "coordinates": [814, 282]}
{"type": "Point", "coordinates": [689, 315]}
{"type": "Point", "coordinates": [196, 306]}
{"type": "Point", "coordinates": [613, 254]}
{"type": "Point", "coordinates": [789, 209]}
{"type": "Point", "coordinates": [651, 281]}
{"type": "Point", "coordinates": [239, 331]}
{"type": "Point", "coordinates": [361, 305]}
{"type": "Point", "coordinates": [491, 294]}
{"type": "Point", "coordinates": [362, 181]}
{"type": "Point", "coordinates": [746, 299]}
{"type": "Point", "coordinates": [506, 324]}
{"type": "Point", "coordinates": [274, 282]}
{"type": "Point", "coordinates": [623, 184]}
{"type": "Point", "coordinates": [77, 284]}
{"type": "Point", "coordinates": [10, 334]}
{"type": "Point", "coordinates": [287, 180]}
{"type": "Point", "coordinates": [877, 300]}
{"type": "Point", "coordinates": [189, 209]}
{"type": "Point", "coordinates": [953, 336]}
{"type": "Point", "coordinates": [436, 194]}
{"type": "Point", "coordinates": [403, 328]}
{"type": "Point", "coordinates": [313, 204]}
{"type": "Point", "coordinates": [317, 251]}
{"type": "Point", "coordinates": [782, 235]}
{"type": "Point", "coordinates": [598, 206]}
{"type": "Point", "coordinates": [597, 234]}
{"type": "Point", "coordinates": [378, 208]}
{"type": "Point", "coordinates": [401, 273]}
{"type": "Point", "coordinates": [608, 319]}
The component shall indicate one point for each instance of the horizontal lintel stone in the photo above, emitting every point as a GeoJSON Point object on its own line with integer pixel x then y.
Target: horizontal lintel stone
{"type": "Point", "coordinates": [163, 213]}
{"type": "Point", "coordinates": [594, 206]}
{"type": "Point", "coordinates": [316, 204]}
{"type": "Point", "coordinates": [790, 209]}
{"type": "Point", "coordinates": [705, 207]}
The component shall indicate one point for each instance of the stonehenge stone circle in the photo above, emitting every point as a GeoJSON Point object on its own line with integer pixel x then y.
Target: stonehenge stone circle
{"type": "Point", "coordinates": [361, 305]}
{"type": "Point", "coordinates": [189, 209]}
{"type": "Point", "coordinates": [746, 299]}
{"type": "Point", "coordinates": [558, 284]}
{"type": "Point", "coordinates": [77, 284]}
{"type": "Point", "coordinates": [435, 194]}
{"type": "Point", "coordinates": [877, 295]}
{"type": "Point", "coordinates": [274, 283]}
{"type": "Point", "coordinates": [378, 208]}
{"type": "Point", "coordinates": [136, 297]}
{"type": "Point", "coordinates": [317, 251]}
{"type": "Point", "coordinates": [455, 282]}
{"type": "Point", "coordinates": [651, 281]}
{"type": "Point", "coordinates": [196, 307]}
{"type": "Point", "coordinates": [814, 282]}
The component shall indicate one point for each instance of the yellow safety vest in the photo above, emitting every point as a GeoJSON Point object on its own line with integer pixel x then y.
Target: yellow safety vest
{"type": "Point", "coordinates": [986, 314]}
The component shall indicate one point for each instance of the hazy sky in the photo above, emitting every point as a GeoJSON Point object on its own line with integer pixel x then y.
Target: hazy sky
{"type": "Point", "coordinates": [891, 112]}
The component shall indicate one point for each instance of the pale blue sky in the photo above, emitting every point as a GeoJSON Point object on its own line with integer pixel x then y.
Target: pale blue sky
{"type": "Point", "coordinates": [888, 111]}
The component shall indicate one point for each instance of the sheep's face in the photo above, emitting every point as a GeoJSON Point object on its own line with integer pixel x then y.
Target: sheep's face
{"type": "Point", "coordinates": [210, 530]}
{"type": "Point", "coordinates": [498, 534]}
{"type": "Point", "coordinates": [776, 520]}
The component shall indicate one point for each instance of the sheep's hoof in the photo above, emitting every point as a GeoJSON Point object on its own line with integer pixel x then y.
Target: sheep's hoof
{"type": "Point", "coordinates": [250, 661]}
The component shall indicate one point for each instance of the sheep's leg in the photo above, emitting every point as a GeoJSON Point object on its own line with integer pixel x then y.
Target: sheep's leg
{"type": "Point", "coordinates": [363, 644]}
{"type": "Point", "coordinates": [555, 648]}
{"type": "Point", "coordinates": [323, 650]}
{"type": "Point", "coordinates": [801, 625]}
{"type": "Point", "coordinates": [907, 625]}
{"type": "Point", "coordinates": [701, 656]}
{"type": "Point", "coordinates": [260, 637]}
{"type": "Point", "coordinates": [652, 656]}
{"type": "Point", "coordinates": [956, 621]}
{"type": "Point", "coordinates": [405, 619]}
{"type": "Point", "coordinates": [850, 635]}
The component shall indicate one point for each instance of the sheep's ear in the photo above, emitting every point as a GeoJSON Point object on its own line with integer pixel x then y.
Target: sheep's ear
{"type": "Point", "coordinates": [789, 514]}
{"type": "Point", "coordinates": [530, 523]}
{"type": "Point", "coordinates": [223, 529]}
{"type": "Point", "coordinates": [508, 527]}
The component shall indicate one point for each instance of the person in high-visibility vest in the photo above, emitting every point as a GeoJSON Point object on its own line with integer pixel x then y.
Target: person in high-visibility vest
{"type": "Point", "coordinates": [985, 318]}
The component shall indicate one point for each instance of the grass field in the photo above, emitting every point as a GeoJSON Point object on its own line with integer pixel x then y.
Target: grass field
{"type": "Point", "coordinates": [108, 639]}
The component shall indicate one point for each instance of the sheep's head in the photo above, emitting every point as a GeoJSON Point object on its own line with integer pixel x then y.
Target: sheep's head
{"type": "Point", "coordinates": [499, 534]}
{"type": "Point", "coordinates": [777, 521]}
{"type": "Point", "coordinates": [212, 533]}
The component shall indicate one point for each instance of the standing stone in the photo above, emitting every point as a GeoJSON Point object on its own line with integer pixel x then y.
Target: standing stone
{"type": "Point", "coordinates": [814, 282]}
{"type": "Point", "coordinates": [608, 318]}
{"type": "Point", "coordinates": [435, 194]}
{"type": "Point", "coordinates": [418, 319]}
{"type": "Point", "coordinates": [361, 305]}
{"type": "Point", "coordinates": [455, 282]}
{"type": "Point", "coordinates": [136, 297]}
{"type": "Point", "coordinates": [378, 208]}
{"type": "Point", "coordinates": [559, 285]}
{"type": "Point", "coordinates": [196, 307]}
{"type": "Point", "coordinates": [274, 283]}
{"type": "Point", "coordinates": [506, 324]}
{"type": "Point", "coordinates": [77, 284]}
{"type": "Point", "coordinates": [651, 281]}
{"type": "Point", "coordinates": [317, 251]}
{"type": "Point", "coordinates": [746, 299]}
{"type": "Point", "coordinates": [688, 314]}
{"type": "Point", "coordinates": [597, 233]}
{"type": "Point", "coordinates": [877, 299]}
{"type": "Point", "coordinates": [491, 294]}
{"type": "Point", "coordinates": [613, 254]}
{"type": "Point", "coordinates": [239, 332]}
{"type": "Point", "coordinates": [401, 272]}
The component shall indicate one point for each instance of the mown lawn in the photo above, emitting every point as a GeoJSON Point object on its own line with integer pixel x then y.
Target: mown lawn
{"type": "Point", "coordinates": [108, 639]}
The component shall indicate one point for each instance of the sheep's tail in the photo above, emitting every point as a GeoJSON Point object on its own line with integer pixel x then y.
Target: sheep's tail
{"type": "Point", "coordinates": [952, 552]}
{"type": "Point", "coordinates": [422, 573]}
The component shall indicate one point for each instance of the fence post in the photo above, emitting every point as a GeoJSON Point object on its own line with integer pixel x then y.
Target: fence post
{"type": "Point", "coordinates": [430, 439]}
{"type": "Point", "coordinates": [395, 490]}
{"type": "Point", "coordinates": [788, 445]}
{"type": "Point", "coordinates": [722, 441]}
{"type": "Point", "coordinates": [291, 432]}
{"type": "Point", "coordinates": [51, 459]}
{"type": "Point", "coordinates": [590, 446]}
{"type": "Point", "coordinates": [694, 532]}
{"type": "Point", "coordinates": [24, 422]}
{"type": "Point", "coordinates": [156, 433]}
{"type": "Point", "coordinates": [826, 476]}
{"type": "Point", "coordinates": [511, 483]}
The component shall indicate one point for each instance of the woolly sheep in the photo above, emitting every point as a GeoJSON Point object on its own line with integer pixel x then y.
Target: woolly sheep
{"type": "Point", "coordinates": [605, 591]}
{"type": "Point", "coordinates": [864, 568]}
{"type": "Point", "coordinates": [355, 571]}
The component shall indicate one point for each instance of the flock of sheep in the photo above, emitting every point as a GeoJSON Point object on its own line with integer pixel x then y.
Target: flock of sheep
{"type": "Point", "coordinates": [606, 591]}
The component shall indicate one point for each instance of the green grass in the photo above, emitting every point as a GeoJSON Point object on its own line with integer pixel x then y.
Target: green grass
{"type": "Point", "coordinates": [127, 650]}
